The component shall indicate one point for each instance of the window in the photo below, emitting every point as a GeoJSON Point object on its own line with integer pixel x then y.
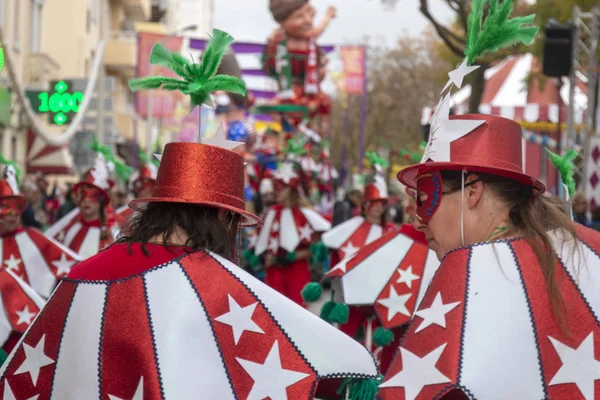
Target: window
{"type": "Point", "coordinates": [2, 13]}
{"type": "Point", "coordinates": [17, 25]}
{"type": "Point", "coordinates": [35, 23]}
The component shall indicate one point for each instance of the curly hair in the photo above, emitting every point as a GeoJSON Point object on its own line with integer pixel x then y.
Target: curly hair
{"type": "Point", "coordinates": [202, 226]}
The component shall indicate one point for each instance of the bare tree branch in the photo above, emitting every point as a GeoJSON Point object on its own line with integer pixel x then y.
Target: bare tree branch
{"type": "Point", "coordinates": [447, 37]}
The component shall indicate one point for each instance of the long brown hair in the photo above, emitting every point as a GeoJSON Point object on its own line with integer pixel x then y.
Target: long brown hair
{"type": "Point", "coordinates": [204, 229]}
{"type": "Point", "coordinates": [533, 216]}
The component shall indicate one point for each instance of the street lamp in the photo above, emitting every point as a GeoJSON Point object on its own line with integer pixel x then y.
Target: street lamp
{"type": "Point", "coordinates": [150, 106]}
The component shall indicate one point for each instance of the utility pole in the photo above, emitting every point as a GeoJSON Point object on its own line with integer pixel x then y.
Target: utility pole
{"type": "Point", "coordinates": [101, 81]}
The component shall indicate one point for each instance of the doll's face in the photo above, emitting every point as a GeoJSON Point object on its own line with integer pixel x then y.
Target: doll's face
{"type": "Point", "coordinates": [299, 24]}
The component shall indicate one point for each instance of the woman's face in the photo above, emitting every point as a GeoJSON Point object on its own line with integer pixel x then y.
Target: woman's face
{"type": "Point", "coordinates": [442, 228]}
{"type": "Point", "coordinates": [282, 193]}
{"type": "Point", "coordinates": [376, 209]}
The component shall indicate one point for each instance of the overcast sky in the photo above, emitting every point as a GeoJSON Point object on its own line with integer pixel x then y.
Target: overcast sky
{"type": "Point", "coordinates": [250, 20]}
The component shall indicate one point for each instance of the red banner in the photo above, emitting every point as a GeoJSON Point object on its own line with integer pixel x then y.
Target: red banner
{"type": "Point", "coordinates": [163, 102]}
{"type": "Point", "coordinates": [354, 69]}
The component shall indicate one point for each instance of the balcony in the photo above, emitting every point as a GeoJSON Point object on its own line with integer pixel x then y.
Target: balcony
{"type": "Point", "coordinates": [138, 10]}
{"type": "Point", "coordinates": [40, 69]}
{"type": "Point", "coordinates": [120, 56]}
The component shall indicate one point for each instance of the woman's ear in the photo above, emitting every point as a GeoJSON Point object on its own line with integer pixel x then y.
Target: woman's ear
{"type": "Point", "coordinates": [473, 192]}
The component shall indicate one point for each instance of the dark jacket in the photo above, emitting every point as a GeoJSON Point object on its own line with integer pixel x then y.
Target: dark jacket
{"type": "Point", "coordinates": [342, 211]}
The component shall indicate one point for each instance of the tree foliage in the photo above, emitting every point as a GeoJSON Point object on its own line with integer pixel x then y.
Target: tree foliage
{"type": "Point", "coordinates": [401, 81]}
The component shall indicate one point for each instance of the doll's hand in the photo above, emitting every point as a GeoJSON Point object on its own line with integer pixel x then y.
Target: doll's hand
{"type": "Point", "coordinates": [331, 12]}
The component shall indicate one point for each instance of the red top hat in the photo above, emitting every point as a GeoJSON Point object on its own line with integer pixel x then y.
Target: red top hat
{"type": "Point", "coordinates": [195, 173]}
{"type": "Point", "coordinates": [145, 175]}
{"type": "Point", "coordinates": [495, 147]}
{"type": "Point", "coordinates": [9, 189]}
{"type": "Point", "coordinates": [376, 190]}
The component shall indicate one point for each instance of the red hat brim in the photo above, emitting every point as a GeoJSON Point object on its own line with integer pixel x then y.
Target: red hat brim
{"type": "Point", "coordinates": [408, 176]}
{"type": "Point", "coordinates": [249, 219]}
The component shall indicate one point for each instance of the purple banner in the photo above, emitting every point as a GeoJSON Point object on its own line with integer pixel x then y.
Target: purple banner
{"type": "Point", "coordinates": [245, 47]}
{"type": "Point", "coordinates": [253, 72]}
{"type": "Point", "coordinates": [263, 94]}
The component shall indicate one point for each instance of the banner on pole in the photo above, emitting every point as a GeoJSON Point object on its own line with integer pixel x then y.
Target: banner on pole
{"type": "Point", "coordinates": [163, 101]}
{"type": "Point", "coordinates": [353, 58]}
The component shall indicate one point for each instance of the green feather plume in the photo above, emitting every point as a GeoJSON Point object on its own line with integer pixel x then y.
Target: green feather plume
{"type": "Point", "coordinates": [565, 167]}
{"type": "Point", "coordinates": [9, 163]}
{"type": "Point", "coordinates": [196, 80]}
{"type": "Point", "coordinates": [294, 147]}
{"type": "Point", "coordinates": [122, 170]}
{"type": "Point", "coordinates": [497, 30]}
{"type": "Point", "coordinates": [1, 57]}
{"type": "Point", "coordinates": [144, 159]}
{"type": "Point", "coordinates": [375, 160]}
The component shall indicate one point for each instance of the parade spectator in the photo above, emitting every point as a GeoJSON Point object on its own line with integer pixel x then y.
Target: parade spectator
{"type": "Point", "coordinates": [33, 215]}
{"type": "Point", "coordinates": [69, 203]}
{"type": "Point", "coordinates": [580, 208]}
{"type": "Point", "coordinates": [345, 209]}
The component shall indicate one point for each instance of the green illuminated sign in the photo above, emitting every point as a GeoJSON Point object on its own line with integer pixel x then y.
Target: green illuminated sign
{"type": "Point", "coordinates": [60, 105]}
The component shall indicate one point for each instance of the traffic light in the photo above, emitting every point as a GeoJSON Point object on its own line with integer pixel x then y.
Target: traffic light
{"type": "Point", "coordinates": [558, 49]}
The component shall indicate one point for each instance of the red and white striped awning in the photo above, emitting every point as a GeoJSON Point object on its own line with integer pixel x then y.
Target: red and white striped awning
{"type": "Point", "coordinates": [47, 159]}
{"type": "Point", "coordinates": [506, 94]}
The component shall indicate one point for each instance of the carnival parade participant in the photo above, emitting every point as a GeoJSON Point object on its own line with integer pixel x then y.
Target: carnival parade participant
{"type": "Point", "coordinates": [91, 227]}
{"type": "Point", "coordinates": [144, 318]}
{"type": "Point", "coordinates": [513, 300]}
{"type": "Point", "coordinates": [141, 184]}
{"type": "Point", "coordinates": [39, 261]}
{"type": "Point", "coordinates": [288, 238]}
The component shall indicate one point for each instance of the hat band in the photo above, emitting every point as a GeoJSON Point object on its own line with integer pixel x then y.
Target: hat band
{"type": "Point", "coordinates": [198, 196]}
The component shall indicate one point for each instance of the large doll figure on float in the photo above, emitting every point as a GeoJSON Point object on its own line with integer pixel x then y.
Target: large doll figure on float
{"type": "Point", "coordinates": [294, 60]}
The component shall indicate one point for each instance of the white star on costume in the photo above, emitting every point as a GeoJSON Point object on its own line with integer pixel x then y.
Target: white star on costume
{"type": "Point", "coordinates": [275, 226]}
{"type": "Point", "coordinates": [286, 173]}
{"type": "Point", "coordinates": [349, 250]}
{"type": "Point", "coordinates": [578, 366]}
{"type": "Point", "coordinates": [436, 314]}
{"type": "Point", "coordinates": [407, 276]}
{"type": "Point", "coordinates": [138, 395]}
{"type": "Point", "coordinates": [35, 359]}
{"type": "Point", "coordinates": [9, 395]}
{"type": "Point", "coordinates": [270, 379]}
{"type": "Point", "coordinates": [445, 131]}
{"type": "Point", "coordinates": [306, 232]}
{"type": "Point", "coordinates": [25, 316]}
{"type": "Point", "coordinates": [458, 75]}
{"type": "Point", "coordinates": [396, 304]}
{"type": "Point", "coordinates": [13, 263]}
{"type": "Point", "coordinates": [63, 266]}
{"type": "Point", "coordinates": [417, 372]}
{"type": "Point", "coordinates": [240, 319]}
{"type": "Point", "coordinates": [220, 140]}
{"type": "Point", "coordinates": [273, 245]}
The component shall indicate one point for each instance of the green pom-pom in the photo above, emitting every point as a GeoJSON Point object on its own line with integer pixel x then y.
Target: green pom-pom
{"type": "Point", "coordinates": [3, 357]}
{"type": "Point", "coordinates": [360, 389]}
{"type": "Point", "coordinates": [326, 310]}
{"type": "Point", "coordinates": [383, 337]}
{"type": "Point", "coordinates": [247, 254]}
{"type": "Point", "coordinates": [312, 292]}
{"type": "Point", "coordinates": [340, 313]}
{"type": "Point", "coordinates": [291, 256]}
{"type": "Point", "coordinates": [318, 252]}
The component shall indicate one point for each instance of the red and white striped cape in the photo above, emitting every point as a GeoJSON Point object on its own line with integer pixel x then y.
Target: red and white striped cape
{"type": "Point", "coordinates": [391, 274]}
{"type": "Point", "coordinates": [485, 326]}
{"type": "Point", "coordinates": [350, 236]}
{"type": "Point", "coordinates": [81, 237]}
{"type": "Point", "coordinates": [38, 260]}
{"type": "Point", "coordinates": [19, 302]}
{"type": "Point", "coordinates": [286, 228]}
{"type": "Point", "coordinates": [172, 333]}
